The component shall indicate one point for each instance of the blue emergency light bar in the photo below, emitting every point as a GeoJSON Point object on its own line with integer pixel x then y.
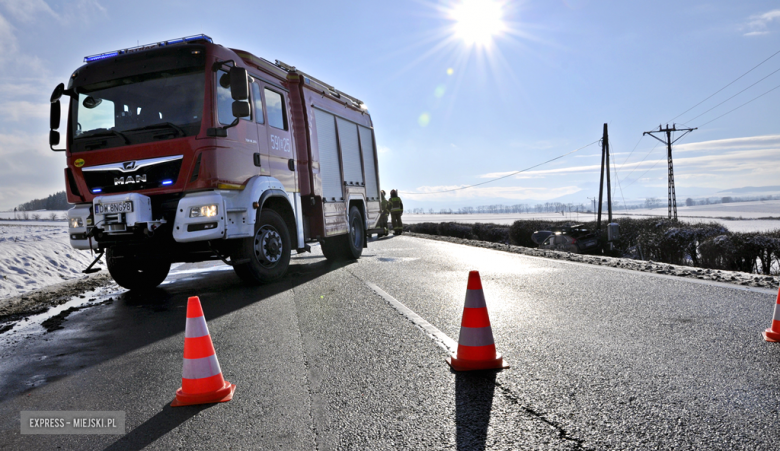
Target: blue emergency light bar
{"type": "Point", "coordinates": [101, 56]}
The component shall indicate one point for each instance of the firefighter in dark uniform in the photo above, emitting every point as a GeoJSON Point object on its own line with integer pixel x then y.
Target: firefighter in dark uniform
{"type": "Point", "coordinates": [385, 212]}
{"type": "Point", "coordinates": [396, 210]}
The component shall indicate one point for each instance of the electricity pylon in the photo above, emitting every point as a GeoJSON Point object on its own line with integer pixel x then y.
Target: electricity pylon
{"type": "Point", "coordinates": [669, 142]}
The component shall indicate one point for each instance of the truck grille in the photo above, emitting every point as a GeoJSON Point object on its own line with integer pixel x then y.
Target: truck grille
{"type": "Point", "coordinates": [111, 178]}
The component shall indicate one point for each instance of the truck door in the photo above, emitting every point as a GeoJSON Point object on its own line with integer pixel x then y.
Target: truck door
{"type": "Point", "coordinates": [235, 160]}
{"type": "Point", "coordinates": [260, 160]}
{"type": "Point", "coordinates": [281, 155]}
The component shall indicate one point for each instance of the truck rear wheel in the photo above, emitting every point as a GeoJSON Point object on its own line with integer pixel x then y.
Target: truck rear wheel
{"type": "Point", "coordinates": [135, 273]}
{"type": "Point", "coordinates": [350, 245]}
{"type": "Point", "coordinates": [268, 250]}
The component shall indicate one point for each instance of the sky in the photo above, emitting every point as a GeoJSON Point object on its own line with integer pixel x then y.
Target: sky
{"type": "Point", "coordinates": [460, 92]}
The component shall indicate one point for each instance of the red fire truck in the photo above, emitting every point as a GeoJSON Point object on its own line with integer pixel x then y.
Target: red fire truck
{"type": "Point", "coordinates": [186, 151]}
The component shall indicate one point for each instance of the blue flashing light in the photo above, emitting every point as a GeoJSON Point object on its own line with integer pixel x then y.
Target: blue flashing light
{"type": "Point", "coordinates": [167, 182]}
{"type": "Point", "coordinates": [97, 190]}
{"type": "Point", "coordinates": [89, 59]}
{"type": "Point", "coordinates": [100, 56]}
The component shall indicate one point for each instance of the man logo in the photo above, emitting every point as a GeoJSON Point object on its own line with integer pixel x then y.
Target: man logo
{"type": "Point", "coordinates": [130, 179]}
{"type": "Point", "coordinates": [128, 165]}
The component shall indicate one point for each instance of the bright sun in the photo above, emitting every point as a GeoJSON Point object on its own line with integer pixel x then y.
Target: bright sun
{"type": "Point", "coordinates": [478, 21]}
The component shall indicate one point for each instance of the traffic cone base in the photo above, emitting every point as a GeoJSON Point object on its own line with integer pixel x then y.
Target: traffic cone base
{"type": "Point", "coordinates": [223, 394]}
{"type": "Point", "coordinates": [773, 333]}
{"type": "Point", "coordinates": [472, 365]}
{"type": "Point", "coordinates": [771, 336]}
{"type": "Point", "coordinates": [476, 348]}
{"type": "Point", "coordinates": [202, 381]}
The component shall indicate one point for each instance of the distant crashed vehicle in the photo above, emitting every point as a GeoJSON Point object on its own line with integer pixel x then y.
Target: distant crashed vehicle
{"type": "Point", "coordinates": [575, 239]}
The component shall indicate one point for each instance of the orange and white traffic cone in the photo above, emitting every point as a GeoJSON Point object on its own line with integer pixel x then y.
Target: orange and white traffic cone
{"type": "Point", "coordinates": [201, 376]}
{"type": "Point", "coordinates": [773, 333]}
{"type": "Point", "coordinates": [476, 348]}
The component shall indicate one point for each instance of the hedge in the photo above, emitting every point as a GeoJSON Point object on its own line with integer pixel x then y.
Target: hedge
{"type": "Point", "coordinates": [706, 245]}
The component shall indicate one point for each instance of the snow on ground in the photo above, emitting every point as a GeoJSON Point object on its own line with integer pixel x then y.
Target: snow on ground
{"type": "Point", "coordinates": [745, 214]}
{"type": "Point", "coordinates": [33, 256]}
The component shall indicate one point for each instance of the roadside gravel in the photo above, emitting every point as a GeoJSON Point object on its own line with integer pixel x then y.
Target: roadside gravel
{"type": "Point", "coordinates": [734, 277]}
{"type": "Point", "coordinates": [38, 301]}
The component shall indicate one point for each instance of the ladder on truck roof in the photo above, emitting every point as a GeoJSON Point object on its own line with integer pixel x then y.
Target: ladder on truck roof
{"type": "Point", "coordinates": [308, 79]}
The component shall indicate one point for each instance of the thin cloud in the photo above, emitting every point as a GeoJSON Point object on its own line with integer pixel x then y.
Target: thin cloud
{"type": "Point", "coordinates": [23, 180]}
{"type": "Point", "coordinates": [23, 110]}
{"type": "Point", "coordinates": [503, 192]}
{"type": "Point", "coordinates": [27, 10]}
{"type": "Point", "coordinates": [749, 142]}
{"type": "Point", "coordinates": [759, 24]}
{"type": "Point", "coordinates": [7, 39]}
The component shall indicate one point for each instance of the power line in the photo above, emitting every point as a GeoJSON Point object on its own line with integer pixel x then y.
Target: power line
{"type": "Point", "coordinates": [762, 95]}
{"type": "Point", "coordinates": [513, 173]}
{"type": "Point", "coordinates": [740, 92]}
{"type": "Point", "coordinates": [721, 89]}
{"type": "Point", "coordinates": [643, 159]}
{"type": "Point", "coordinates": [632, 151]}
{"type": "Point", "coordinates": [614, 166]}
{"type": "Point", "coordinates": [651, 168]}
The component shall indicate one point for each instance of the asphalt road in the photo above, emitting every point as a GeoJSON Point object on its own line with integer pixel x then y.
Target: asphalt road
{"type": "Point", "coordinates": [600, 359]}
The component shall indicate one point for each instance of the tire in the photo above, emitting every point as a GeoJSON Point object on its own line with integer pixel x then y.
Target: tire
{"type": "Point", "coordinates": [268, 250]}
{"type": "Point", "coordinates": [356, 235]}
{"type": "Point", "coordinates": [136, 273]}
{"type": "Point", "coordinates": [350, 245]}
{"type": "Point", "coordinates": [332, 248]}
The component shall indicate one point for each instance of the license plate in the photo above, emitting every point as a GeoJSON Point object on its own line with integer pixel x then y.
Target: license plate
{"type": "Point", "coordinates": [116, 207]}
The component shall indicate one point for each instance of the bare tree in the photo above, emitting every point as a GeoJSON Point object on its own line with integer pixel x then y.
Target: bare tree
{"type": "Point", "coordinates": [53, 216]}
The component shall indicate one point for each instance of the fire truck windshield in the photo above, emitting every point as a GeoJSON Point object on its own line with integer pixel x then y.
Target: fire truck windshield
{"type": "Point", "coordinates": [138, 109]}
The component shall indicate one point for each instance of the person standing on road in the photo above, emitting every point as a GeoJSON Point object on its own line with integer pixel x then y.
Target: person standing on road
{"type": "Point", "coordinates": [385, 212]}
{"type": "Point", "coordinates": [396, 210]}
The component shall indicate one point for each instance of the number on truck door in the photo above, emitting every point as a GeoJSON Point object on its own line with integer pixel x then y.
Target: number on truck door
{"type": "Point", "coordinates": [280, 145]}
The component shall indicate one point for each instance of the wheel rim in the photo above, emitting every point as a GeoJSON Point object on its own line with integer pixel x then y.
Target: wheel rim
{"type": "Point", "coordinates": [356, 233]}
{"type": "Point", "coordinates": [268, 246]}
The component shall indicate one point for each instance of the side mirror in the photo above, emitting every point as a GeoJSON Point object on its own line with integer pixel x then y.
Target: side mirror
{"type": "Point", "coordinates": [239, 83]}
{"type": "Point", "coordinates": [240, 109]}
{"type": "Point", "coordinates": [57, 92]}
{"type": "Point", "coordinates": [54, 117]}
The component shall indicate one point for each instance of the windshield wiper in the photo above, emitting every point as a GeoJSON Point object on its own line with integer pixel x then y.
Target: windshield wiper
{"type": "Point", "coordinates": [160, 125]}
{"type": "Point", "coordinates": [103, 133]}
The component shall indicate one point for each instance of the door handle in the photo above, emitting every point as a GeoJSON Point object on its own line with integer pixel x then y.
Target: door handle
{"type": "Point", "coordinates": [291, 164]}
{"type": "Point", "coordinates": [257, 159]}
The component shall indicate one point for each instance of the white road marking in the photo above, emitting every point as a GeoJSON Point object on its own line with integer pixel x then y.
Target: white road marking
{"type": "Point", "coordinates": [441, 339]}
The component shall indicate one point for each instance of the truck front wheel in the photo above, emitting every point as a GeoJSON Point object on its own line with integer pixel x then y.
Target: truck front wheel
{"type": "Point", "coordinates": [268, 251]}
{"type": "Point", "coordinates": [136, 273]}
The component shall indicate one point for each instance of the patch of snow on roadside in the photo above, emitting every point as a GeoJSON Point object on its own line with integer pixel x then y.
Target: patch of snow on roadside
{"type": "Point", "coordinates": [33, 257]}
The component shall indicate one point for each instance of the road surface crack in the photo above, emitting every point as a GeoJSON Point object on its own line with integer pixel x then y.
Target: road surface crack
{"type": "Point", "coordinates": [560, 430]}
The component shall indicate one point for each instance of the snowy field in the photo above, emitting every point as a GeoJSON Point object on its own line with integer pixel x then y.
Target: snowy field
{"type": "Point", "coordinates": [35, 256]}
{"type": "Point", "coordinates": [745, 216]}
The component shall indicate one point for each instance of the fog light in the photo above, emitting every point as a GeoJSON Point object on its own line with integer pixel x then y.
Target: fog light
{"type": "Point", "coordinates": [76, 223]}
{"type": "Point", "coordinates": [205, 211]}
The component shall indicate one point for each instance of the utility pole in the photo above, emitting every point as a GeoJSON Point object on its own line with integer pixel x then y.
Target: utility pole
{"type": "Point", "coordinates": [604, 158]}
{"type": "Point", "coordinates": [669, 142]}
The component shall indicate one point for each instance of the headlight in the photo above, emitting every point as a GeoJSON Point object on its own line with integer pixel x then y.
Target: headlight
{"type": "Point", "coordinates": [205, 211]}
{"type": "Point", "coordinates": [76, 223]}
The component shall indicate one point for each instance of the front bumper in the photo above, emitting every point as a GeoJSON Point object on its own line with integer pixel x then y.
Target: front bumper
{"type": "Point", "coordinates": [142, 222]}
